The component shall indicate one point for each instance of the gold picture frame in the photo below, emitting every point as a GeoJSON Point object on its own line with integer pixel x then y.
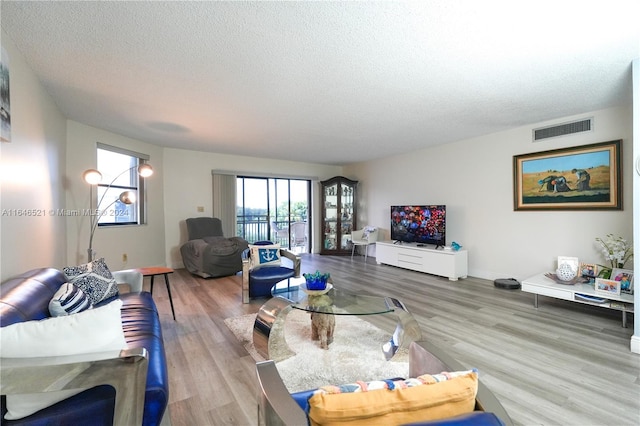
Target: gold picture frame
{"type": "Point", "coordinates": [586, 177]}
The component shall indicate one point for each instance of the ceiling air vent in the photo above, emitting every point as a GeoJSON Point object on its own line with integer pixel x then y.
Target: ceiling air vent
{"type": "Point", "coordinates": [563, 129]}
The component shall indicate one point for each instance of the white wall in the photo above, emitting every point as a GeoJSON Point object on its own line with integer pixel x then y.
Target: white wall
{"type": "Point", "coordinates": [143, 244]}
{"type": "Point", "coordinates": [188, 184]}
{"type": "Point", "coordinates": [32, 170]}
{"type": "Point", "coordinates": [474, 178]}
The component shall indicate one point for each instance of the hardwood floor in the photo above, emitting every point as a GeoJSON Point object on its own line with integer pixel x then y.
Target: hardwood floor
{"type": "Point", "coordinates": [561, 364]}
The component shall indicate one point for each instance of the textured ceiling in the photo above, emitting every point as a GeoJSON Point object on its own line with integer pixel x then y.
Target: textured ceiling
{"type": "Point", "coordinates": [325, 82]}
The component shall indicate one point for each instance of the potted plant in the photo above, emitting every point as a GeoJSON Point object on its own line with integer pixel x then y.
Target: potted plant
{"type": "Point", "coordinates": [616, 251]}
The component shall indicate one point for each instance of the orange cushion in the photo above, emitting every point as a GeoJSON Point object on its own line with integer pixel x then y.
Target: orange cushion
{"type": "Point", "coordinates": [430, 401]}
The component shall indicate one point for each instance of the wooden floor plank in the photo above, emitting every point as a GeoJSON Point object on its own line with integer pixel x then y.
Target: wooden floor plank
{"type": "Point", "coordinates": [561, 364]}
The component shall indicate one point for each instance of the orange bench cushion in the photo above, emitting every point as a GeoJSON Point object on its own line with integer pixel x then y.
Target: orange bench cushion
{"type": "Point", "coordinates": [432, 400]}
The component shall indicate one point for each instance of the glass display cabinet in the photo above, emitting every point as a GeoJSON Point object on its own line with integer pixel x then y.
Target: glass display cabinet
{"type": "Point", "coordinates": [338, 215]}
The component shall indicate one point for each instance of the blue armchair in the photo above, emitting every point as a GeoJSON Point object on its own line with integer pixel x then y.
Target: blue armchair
{"type": "Point", "coordinates": [257, 280]}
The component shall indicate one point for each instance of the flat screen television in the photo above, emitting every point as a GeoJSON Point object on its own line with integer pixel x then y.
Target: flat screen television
{"type": "Point", "coordinates": [424, 224]}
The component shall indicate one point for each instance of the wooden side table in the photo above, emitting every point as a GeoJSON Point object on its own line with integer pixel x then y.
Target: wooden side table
{"type": "Point", "coordinates": [159, 270]}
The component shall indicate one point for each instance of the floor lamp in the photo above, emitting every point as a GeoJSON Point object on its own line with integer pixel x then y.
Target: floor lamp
{"type": "Point", "coordinates": [93, 178]}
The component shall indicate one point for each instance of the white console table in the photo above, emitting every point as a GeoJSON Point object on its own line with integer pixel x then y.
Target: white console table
{"type": "Point", "coordinates": [445, 263]}
{"type": "Point", "coordinates": [540, 284]}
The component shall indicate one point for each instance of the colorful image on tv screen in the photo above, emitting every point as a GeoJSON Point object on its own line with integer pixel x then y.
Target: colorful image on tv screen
{"type": "Point", "coordinates": [419, 224]}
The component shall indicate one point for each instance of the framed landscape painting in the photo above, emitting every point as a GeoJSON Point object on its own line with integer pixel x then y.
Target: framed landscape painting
{"type": "Point", "coordinates": [586, 177]}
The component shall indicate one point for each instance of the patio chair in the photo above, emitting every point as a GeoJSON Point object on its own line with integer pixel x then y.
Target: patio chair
{"type": "Point", "coordinates": [298, 231]}
{"type": "Point", "coordinates": [280, 235]}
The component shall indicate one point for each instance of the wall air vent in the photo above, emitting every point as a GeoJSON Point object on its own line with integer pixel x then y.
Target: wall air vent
{"type": "Point", "coordinates": [563, 129]}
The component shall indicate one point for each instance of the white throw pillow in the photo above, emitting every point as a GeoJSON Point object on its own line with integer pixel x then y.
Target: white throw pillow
{"type": "Point", "coordinates": [93, 330]}
{"type": "Point", "coordinates": [265, 255]}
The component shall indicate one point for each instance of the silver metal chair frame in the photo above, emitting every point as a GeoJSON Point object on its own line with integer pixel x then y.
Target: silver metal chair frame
{"type": "Point", "coordinates": [125, 370]}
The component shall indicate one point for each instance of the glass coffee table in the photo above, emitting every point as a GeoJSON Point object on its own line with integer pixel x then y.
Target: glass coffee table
{"type": "Point", "coordinates": [268, 330]}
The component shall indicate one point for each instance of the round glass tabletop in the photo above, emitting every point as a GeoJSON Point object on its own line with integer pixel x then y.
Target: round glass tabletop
{"type": "Point", "coordinates": [335, 301]}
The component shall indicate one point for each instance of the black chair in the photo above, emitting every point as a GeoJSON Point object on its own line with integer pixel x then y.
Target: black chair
{"type": "Point", "coordinates": [258, 280]}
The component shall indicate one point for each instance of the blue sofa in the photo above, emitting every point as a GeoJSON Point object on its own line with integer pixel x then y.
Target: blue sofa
{"type": "Point", "coordinates": [129, 388]}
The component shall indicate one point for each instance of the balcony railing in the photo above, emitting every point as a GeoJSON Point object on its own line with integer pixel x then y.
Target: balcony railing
{"type": "Point", "coordinates": [252, 228]}
{"type": "Point", "coordinates": [258, 228]}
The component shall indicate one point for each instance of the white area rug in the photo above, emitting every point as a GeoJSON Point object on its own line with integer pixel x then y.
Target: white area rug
{"type": "Point", "coordinates": [355, 354]}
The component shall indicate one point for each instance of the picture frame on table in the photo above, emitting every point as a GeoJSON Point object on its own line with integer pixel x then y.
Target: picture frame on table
{"type": "Point", "coordinates": [605, 287]}
{"type": "Point", "coordinates": [589, 272]}
{"type": "Point", "coordinates": [625, 277]}
{"type": "Point", "coordinates": [586, 177]}
{"type": "Point", "coordinates": [572, 261]}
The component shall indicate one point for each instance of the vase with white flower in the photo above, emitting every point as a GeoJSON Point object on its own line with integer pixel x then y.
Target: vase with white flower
{"type": "Point", "coordinates": [617, 251]}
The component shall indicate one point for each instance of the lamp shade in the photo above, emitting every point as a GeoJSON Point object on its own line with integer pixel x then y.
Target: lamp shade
{"type": "Point", "coordinates": [92, 176]}
{"type": "Point", "coordinates": [128, 197]}
{"type": "Point", "coordinates": [145, 170]}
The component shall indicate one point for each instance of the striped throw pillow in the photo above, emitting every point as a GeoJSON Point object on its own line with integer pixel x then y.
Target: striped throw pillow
{"type": "Point", "coordinates": [68, 300]}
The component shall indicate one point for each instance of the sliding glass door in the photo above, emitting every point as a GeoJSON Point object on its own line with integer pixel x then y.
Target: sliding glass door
{"type": "Point", "coordinates": [274, 209]}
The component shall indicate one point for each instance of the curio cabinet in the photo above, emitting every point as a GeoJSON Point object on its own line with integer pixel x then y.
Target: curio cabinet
{"type": "Point", "coordinates": [338, 215]}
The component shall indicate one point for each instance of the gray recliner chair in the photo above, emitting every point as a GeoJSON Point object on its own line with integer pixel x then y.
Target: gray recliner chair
{"type": "Point", "coordinates": [208, 253]}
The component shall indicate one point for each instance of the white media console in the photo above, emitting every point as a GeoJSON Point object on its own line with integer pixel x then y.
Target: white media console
{"type": "Point", "coordinates": [580, 293]}
{"type": "Point", "coordinates": [445, 263]}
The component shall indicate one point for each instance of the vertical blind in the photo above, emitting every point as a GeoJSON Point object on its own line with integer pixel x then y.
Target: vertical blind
{"type": "Point", "coordinates": [224, 202]}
